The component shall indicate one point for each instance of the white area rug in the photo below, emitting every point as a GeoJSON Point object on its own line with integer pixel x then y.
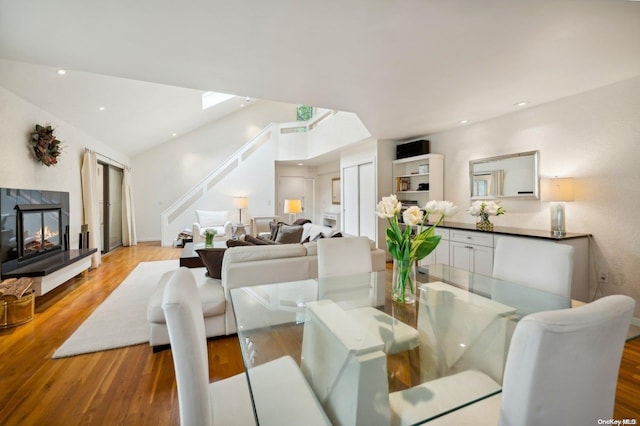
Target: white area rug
{"type": "Point", "coordinates": [121, 320]}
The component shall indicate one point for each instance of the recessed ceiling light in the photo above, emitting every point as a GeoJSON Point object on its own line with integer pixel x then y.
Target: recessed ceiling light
{"type": "Point", "coordinates": [300, 164]}
{"type": "Point", "coordinates": [521, 103]}
{"type": "Point", "coordinates": [463, 121]}
{"type": "Point", "coordinates": [61, 71]}
{"type": "Point", "coordinates": [248, 100]}
{"type": "Point", "coordinates": [101, 108]}
{"type": "Point", "coordinates": [174, 134]}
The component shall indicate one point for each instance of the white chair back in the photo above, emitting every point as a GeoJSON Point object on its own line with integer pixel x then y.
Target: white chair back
{"type": "Point", "coordinates": [562, 366]}
{"type": "Point", "coordinates": [343, 256]}
{"type": "Point", "coordinates": [543, 265]}
{"type": "Point", "coordinates": [183, 312]}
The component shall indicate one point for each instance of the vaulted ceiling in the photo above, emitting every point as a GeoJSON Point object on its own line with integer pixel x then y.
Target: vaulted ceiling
{"type": "Point", "coordinates": [406, 67]}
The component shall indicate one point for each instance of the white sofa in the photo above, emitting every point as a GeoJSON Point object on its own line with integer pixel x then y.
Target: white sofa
{"type": "Point", "coordinates": [217, 220]}
{"type": "Point", "coordinates": [243, 266]}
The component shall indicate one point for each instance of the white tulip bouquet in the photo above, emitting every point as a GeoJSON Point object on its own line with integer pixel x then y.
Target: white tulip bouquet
{"type": "Point", "coordinates": [406, 249]}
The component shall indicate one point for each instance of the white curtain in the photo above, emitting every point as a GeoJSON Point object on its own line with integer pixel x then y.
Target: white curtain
{"type": "Point", "coordinates": [90, 203]}
{"type": "Point", "coordinates": [128, 215]}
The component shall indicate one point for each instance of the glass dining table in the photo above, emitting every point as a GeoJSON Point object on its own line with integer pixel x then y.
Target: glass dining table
{"type": "Point", "coordinates": [349, 345]}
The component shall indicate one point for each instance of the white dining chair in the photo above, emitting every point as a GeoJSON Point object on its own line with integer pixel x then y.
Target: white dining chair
{"type": "Point", "coordinates": [543, 265]}
{"type": "Point", "coordinates": [562, 368]}
{"type": "Point", "coordinates": [227, 402]}
{"type": "Point", "coordinates": [351, 256]}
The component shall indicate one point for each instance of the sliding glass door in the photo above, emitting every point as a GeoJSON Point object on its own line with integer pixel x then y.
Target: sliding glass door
{"type": "Point", "coordinates": [110, 201]}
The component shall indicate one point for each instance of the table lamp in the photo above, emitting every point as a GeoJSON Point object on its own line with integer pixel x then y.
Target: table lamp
{"type": "Point", "coordinates": [292, 207]}
{"type": "Point", "coordinates": [558, 191]}
{"type": "Point", "coordinates": [240, 203]}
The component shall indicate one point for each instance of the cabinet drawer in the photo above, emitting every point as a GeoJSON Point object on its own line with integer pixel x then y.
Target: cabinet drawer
{"type": "Point", "coordinates": [472, 237]}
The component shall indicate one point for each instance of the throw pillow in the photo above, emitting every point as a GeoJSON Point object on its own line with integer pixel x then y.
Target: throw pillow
{"type": "Point", "coordinates": [289, 234]}
{"type": "Point", "coordinates": [237, 243]}
{"type": "Point", "coordinates": [273, 227]}
{"type": "Point", "coordinates": [258, 241]}
{"type": "Point", "coordinates": [212, 259]}
{"type": "Point", "coordinates": [336, 235]}
{"type": "Point", "coordinates": [301, 221]}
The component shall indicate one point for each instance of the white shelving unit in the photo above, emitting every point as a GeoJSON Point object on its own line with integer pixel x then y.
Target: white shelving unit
{"type": "Point", "coordinates": [409, 174]}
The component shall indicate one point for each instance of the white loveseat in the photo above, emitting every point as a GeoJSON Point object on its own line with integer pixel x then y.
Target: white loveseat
{"type": "Point", "coordinates": [217, 220]}
{"type": "Point", "coordinates": [242, 266]}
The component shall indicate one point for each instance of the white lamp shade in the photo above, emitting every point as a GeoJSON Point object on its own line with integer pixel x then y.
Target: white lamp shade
{"type": "Point", "coordinates": [240, 202]}
{"type": "Point", "coordinates": [292, 206]}
{"type": "Point", "coordinates": [558, 189]}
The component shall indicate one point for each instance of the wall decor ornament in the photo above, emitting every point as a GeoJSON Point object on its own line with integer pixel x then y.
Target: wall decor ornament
{"type": "Point", "coordinates": [45, 146]}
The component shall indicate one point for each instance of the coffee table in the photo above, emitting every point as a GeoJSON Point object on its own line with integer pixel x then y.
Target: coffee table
{"type": "Point", "coordinates": [189, 257]}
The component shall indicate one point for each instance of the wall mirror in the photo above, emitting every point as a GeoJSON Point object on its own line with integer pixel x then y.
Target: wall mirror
{"type": "Point", "coordinates": [505, 176]}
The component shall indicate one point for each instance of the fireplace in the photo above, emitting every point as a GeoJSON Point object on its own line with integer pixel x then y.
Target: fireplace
{"type": "Point", "coordinates": [34, 225]}
{"type": "Point", "coordinates": [39, 229]}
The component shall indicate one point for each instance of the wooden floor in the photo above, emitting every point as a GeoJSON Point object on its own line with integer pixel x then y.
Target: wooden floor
{"type": "Point", "coordinates": [132, 385]}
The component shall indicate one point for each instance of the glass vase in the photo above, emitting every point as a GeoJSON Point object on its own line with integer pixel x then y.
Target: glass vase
{"type": "Point", "coordinates": [403, 286]}
{"type": "Point", "coordinates": [484, 224]}
{"type": "Point", "coordinates": [208, 240]}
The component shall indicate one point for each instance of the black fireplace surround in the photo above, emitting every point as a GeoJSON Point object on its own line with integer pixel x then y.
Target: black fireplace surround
{"type": "Point", "coordinates": [34, 225]}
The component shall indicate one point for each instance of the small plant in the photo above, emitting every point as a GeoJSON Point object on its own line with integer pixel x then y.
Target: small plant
{"type": "Point", "coordinates": [45, 146]}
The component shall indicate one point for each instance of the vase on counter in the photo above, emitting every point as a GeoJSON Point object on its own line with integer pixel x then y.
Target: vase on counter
{"type": "Point", "coordinates": [484, 224]}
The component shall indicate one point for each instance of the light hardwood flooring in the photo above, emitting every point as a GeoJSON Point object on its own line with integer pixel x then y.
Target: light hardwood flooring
{"type": "Point", "coordinates": [133, 385]}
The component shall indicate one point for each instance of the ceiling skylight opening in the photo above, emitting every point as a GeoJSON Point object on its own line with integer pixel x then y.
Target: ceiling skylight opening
{"type": "Point", "coordinates": [210, 99]}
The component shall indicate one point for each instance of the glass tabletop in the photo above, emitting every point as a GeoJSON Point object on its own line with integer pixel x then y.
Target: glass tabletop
{"type": "Point", "coordinates": [366, 360]}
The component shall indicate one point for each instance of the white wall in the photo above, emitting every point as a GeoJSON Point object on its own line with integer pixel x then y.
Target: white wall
{"type": "Point", "coordinates": [18, 167]}
{"type": "Point", "coordinates": [163, 174]}
{"type": "Point", "coordinates": [593, 137]}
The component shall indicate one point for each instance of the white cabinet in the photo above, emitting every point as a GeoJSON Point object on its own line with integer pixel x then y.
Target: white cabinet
{"type": "Point", "coordinates": [441, 254]}
{"type": "Point", "coordinates": [471, 251]}
{"type": "Point", "coordinates": [474, 250]}
{"type": "Point", "coordinates": [580, 272]}
{"type": "Point", "coordinates": [412, 176]}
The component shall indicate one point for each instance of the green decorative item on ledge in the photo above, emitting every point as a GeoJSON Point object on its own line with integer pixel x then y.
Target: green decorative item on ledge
{"type": "Point", "coordinates": [45, 146]}
{"type": "Point", "coordinates": [304, 113]}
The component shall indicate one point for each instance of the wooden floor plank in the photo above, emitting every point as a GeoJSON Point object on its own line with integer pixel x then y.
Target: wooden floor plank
{"type": "Point", "coordinates": [133, 385]}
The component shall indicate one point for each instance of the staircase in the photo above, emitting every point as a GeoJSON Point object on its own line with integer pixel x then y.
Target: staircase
{"type": "Point", "coordinates": [295, 140]}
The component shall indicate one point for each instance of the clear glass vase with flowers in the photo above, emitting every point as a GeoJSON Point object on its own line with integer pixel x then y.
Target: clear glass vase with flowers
{"type": "Point", "coordinates": [483, 209]}
{"type": "Point", "coordinates": [412, 242]}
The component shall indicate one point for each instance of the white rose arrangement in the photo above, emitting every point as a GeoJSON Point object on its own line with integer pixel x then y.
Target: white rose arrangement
{"type": "Point", "coordinates": [486, 209]}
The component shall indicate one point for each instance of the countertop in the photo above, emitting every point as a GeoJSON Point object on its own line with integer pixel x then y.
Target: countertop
{"type": "Point", "coordinates": [508, 230]}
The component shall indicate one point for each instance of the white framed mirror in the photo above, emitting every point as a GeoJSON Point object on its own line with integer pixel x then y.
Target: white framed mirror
{"type": "Point", "coordinates": [505, 176]}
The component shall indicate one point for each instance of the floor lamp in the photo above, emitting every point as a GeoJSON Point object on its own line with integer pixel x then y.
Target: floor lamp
{"type": "Point", "coordinates": [292, 207]}
{"type": "Point", "coordinates": [240, 203]}
{"type": "Point", "coordinates": [558, 191]}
